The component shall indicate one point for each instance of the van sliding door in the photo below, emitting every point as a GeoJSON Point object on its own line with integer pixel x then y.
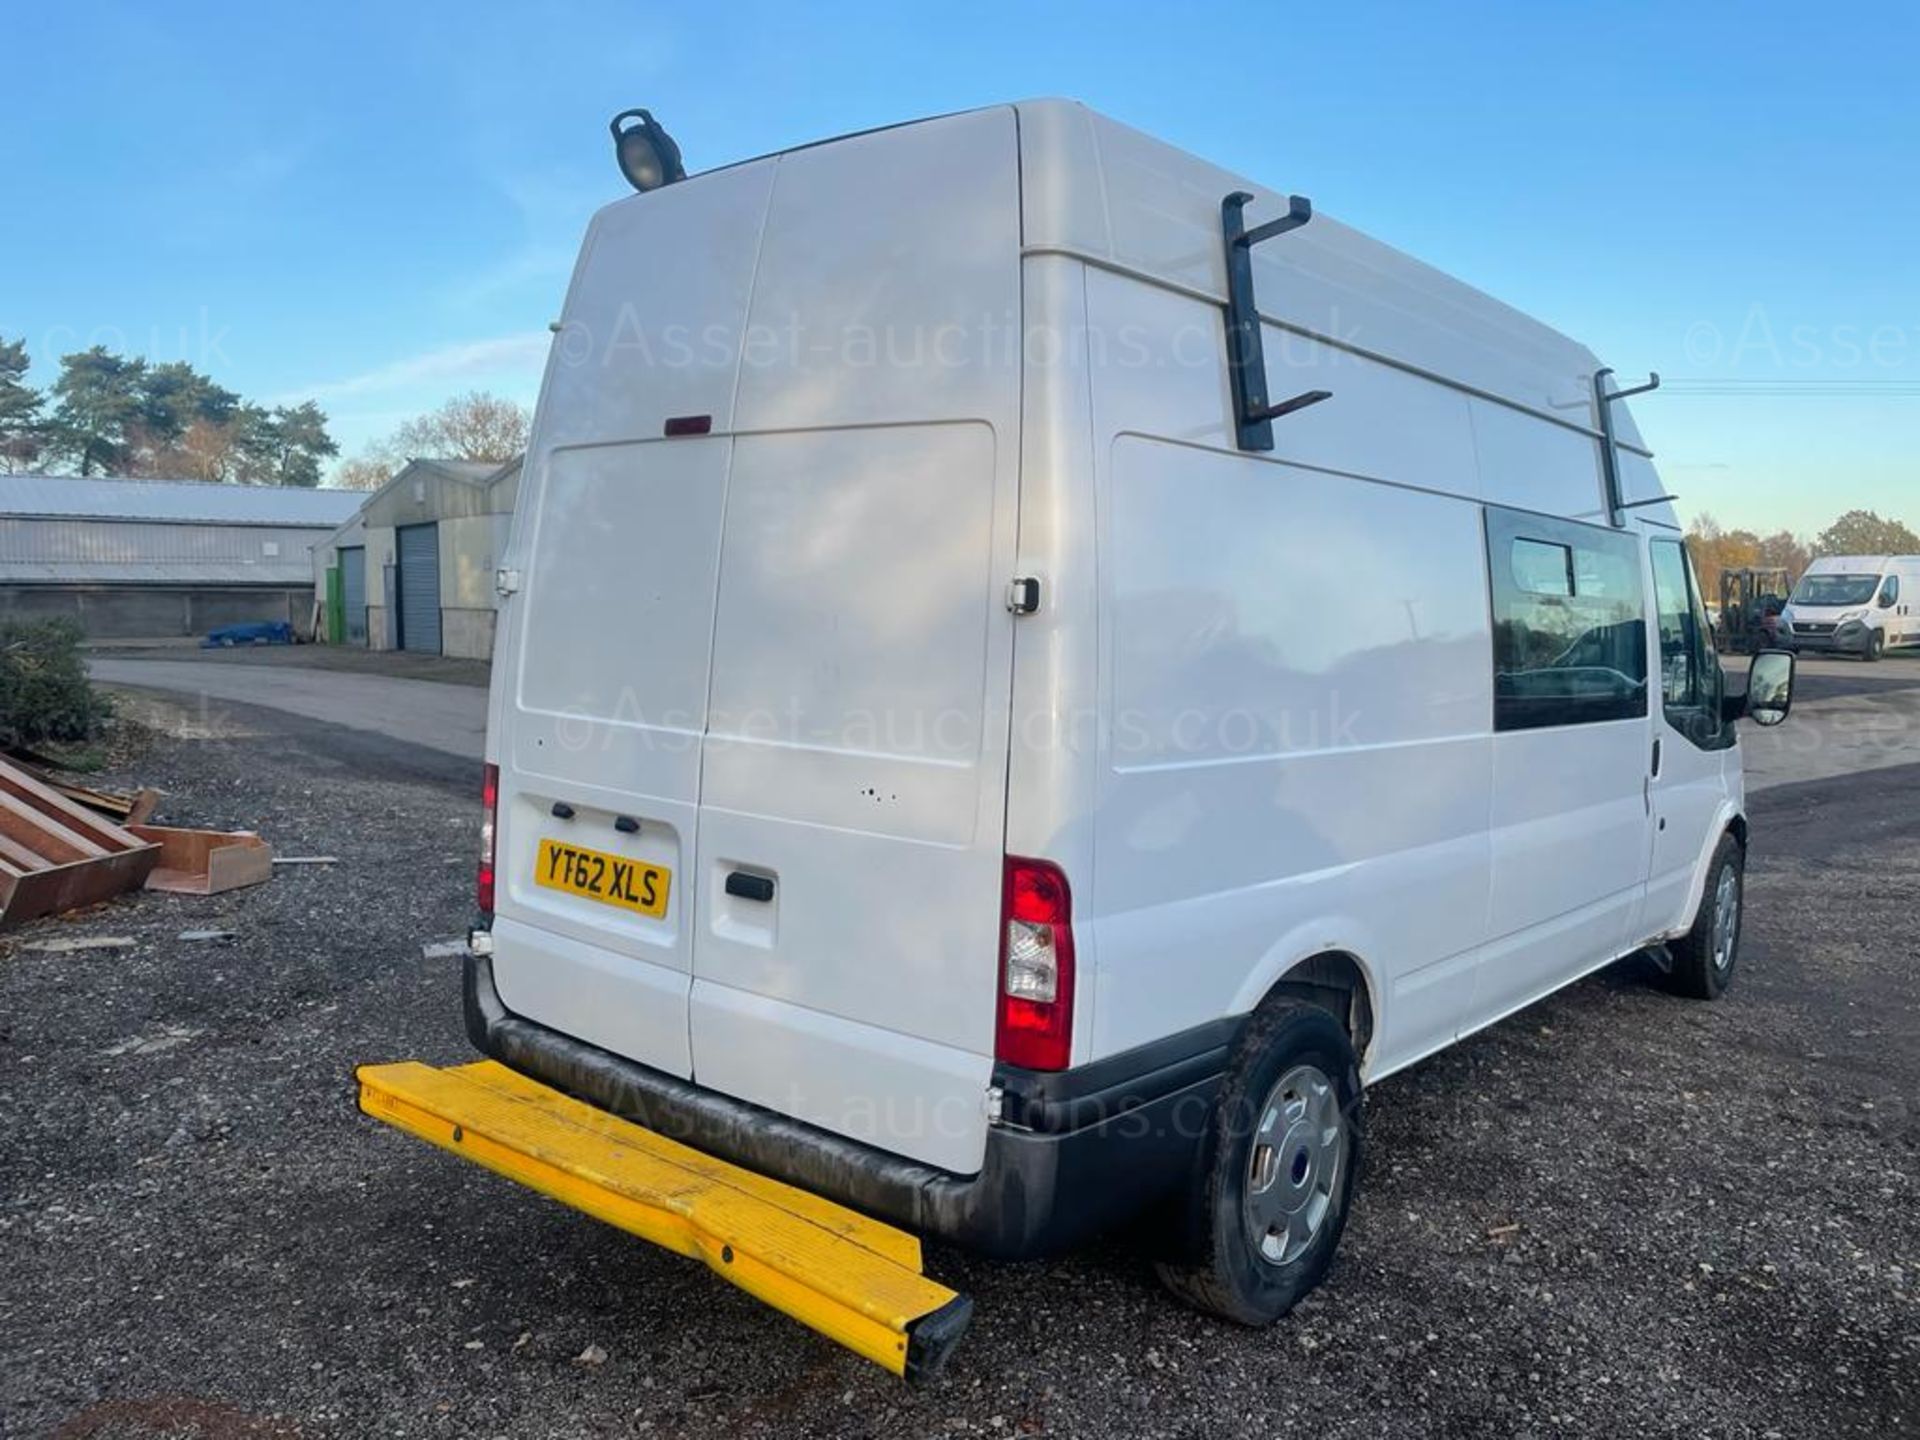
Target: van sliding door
{"type": "Point", "coordinates": [1571, 738]}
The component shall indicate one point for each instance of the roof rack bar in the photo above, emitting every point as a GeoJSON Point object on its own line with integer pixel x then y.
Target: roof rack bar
{"type": "Point", "coordinates": [1603, 398]}
{"type": "Point", "coordinates": [1246, 353]}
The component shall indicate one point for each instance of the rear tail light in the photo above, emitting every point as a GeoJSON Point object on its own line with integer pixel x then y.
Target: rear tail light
{"type": "Point", "coordinates": [489, 812]}
{"type": "Point", "coordinates": [1034, 1028]}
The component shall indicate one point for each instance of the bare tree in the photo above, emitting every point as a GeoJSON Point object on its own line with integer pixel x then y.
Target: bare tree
{"type": "Point", "coordinates": [202, 451]}
{"type": "Point", "coordinates": [474, 426]}
{"type": "Point", "coordinates": [364, 472]}
{"type": "Point", "coordinates": [1785, 549]}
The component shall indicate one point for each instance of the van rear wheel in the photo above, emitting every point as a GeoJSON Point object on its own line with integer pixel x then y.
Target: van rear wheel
{"type": "Point", "coordinates": [1270, 1193]}
{"type": "Point", "coordinates": [1703, 958]}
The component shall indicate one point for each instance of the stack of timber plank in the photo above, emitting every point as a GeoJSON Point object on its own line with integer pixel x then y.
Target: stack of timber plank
{"type": "Point", "coordinates": [56, 855]}
{"type": "Point", "coordinates": [122, 808]}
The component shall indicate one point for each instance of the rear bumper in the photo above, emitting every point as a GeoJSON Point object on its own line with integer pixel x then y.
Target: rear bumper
{"type": "Point", "coordinates": [1079, 1151]}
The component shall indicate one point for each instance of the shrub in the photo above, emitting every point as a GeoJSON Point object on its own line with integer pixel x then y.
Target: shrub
{"type": "Point", "coordinates": [44, 690]}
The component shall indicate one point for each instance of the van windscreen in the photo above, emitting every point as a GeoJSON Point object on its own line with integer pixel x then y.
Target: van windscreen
{"type": "Point", "coordinates": [1834, 589]}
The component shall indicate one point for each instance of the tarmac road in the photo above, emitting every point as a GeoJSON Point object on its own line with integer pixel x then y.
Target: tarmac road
{"type": "Point", "coordinates": [1847, 716]}
{"type": "Point", "coordinates": [448, 718]}
{"type": "Point", "coordinates": [1615, 1214]}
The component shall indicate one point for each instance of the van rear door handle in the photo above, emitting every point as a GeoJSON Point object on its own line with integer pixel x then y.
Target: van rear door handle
{"type": "Point", "coordinates": [750, 887]}
{"type": "Point", "coordinates": [1656, 757]}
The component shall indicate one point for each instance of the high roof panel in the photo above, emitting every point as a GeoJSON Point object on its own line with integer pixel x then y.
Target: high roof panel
{"type": "Point", "coordinates": [1096, 188]}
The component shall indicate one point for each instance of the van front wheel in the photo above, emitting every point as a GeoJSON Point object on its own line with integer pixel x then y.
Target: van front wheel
{"type": "Point", "coordinates": [1276, 1172]}
{"type": "Point", "coordinates": [1703, 958]}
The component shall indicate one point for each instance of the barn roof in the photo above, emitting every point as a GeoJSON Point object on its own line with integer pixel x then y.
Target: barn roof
{"type": "Point", "coordinates": [69, 497]}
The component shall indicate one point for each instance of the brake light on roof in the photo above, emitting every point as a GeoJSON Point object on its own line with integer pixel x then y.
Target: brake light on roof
{"type": "Point", "coordinates": [489, 811]}
{"type": "Point", "coordinates": [1034, 1026]}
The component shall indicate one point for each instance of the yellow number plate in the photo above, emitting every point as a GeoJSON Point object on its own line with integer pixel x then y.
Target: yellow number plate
{"type": "Point", "coordinates": [610, 879]}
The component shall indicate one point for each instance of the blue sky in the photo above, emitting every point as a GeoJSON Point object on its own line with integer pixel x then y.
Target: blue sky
{"type": "Point", "coordinates": [376, 205]}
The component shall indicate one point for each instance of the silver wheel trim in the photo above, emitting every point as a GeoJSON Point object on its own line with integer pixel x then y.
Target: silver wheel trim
{"type": "Point", "coordinates": [1294, 1164]}
{"type": "Point", "coordinates": [1726, 918]}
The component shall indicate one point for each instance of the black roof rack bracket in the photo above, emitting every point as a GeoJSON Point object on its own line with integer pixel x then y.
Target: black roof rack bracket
{"type": "Point", "coordinates": [1603, 397]}
{"type": "Point", "coordinates": [1253, 414]}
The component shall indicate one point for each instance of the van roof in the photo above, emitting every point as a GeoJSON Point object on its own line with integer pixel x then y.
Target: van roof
{"type": "Point", "coordinates": [1118, 198]}
{"type": "Point", "coordinates": [1858, 563]}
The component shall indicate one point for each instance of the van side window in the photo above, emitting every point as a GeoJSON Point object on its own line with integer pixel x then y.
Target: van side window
{"type": "Point", "coordinates": [1569, 627]}
{"type": "Point", "coordinates": [1543, 569]}
{"type": "Point", "coordinates": [1890, 592]}
{"type": "Point", "coordinates": [1690, 676]}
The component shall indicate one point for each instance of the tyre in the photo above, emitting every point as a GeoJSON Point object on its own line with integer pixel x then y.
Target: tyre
{"type": "Point", "coordinates": [1270, 1193]}
{"type": "Point", "coordinates": [1703, 959]}
{"type": "Point", "coordinates": [1876, 645]}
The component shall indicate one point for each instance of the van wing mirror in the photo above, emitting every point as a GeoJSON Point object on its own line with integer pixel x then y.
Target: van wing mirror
{"type": "Point", "coordinates": [1769, 687]}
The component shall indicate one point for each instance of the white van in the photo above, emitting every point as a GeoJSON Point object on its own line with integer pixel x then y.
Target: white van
{"type": "Point", "coordinates": [958, 747]}
{"type": "Point", "coordinates": [1861, 605]}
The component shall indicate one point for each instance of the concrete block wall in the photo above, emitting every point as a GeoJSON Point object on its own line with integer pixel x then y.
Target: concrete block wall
{"type": "Point", "coordinates": [467, 634]}
{"type": "Point", "coordinates": [137, 612]}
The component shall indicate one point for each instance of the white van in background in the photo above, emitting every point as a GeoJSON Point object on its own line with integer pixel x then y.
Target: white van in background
{"type": "Point", "coordinates": [928, 763]}
{"type": "Point", "coordinates": [1861, 605]}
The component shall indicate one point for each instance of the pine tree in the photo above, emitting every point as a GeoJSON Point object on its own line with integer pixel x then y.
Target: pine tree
{"type": "Point", "coordinates": [98, 411]}
{"type": "Point", "coordinates": [21, 437]}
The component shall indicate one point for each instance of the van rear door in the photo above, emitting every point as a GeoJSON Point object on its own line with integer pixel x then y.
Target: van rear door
{"type": "Point", "coordinates": [601, 705]}
{"type": "Point", "coordinates": [853, 785]}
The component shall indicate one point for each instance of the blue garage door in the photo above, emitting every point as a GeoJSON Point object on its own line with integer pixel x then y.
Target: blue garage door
{"type": "Point", "coordinates": [419, 588]}
{"type": "Point", "coordinates": [353, 592]}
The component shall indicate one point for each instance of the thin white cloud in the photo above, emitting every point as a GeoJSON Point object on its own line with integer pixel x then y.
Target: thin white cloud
{"type": "Point", "coordinates": [544, 265]}
{"type": "Point", "coordinates": [469, 360]}
{"type": "Point", "coordinates": [550, 211]}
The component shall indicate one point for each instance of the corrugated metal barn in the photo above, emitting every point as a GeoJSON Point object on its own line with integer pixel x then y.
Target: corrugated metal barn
{"type": "Point", "coordinates": [415, 566]}
{"type": "Point", "coordinates": [151, 559]}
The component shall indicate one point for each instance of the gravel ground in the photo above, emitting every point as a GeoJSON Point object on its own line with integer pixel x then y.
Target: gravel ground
{"type": "Point", "coordinates": [1617, 1214]}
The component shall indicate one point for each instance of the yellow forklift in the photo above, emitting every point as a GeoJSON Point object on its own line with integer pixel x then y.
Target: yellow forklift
{"type": "Point", "coordinates": [1751, 599]}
